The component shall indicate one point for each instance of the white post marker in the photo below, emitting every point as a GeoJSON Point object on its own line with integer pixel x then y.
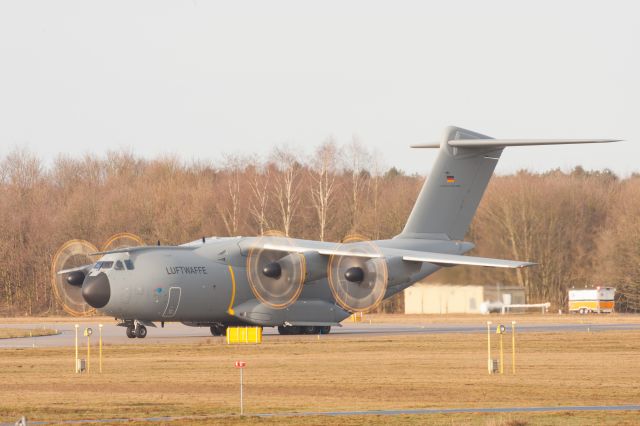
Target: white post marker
{"type": "Point", "coordinates": [76, 367]}
{"type": "Point", "coordinates": [489, 362]}
{"type": "Point", "coordinates": [100, 347]}
{"type": "Point", "coordinates": [513, 347]}
{"type": "Point", "coordinates": [241, 365]}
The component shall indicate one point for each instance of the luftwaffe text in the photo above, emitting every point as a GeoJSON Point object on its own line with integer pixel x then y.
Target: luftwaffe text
{"type": "Point", "coordinates": [171, 270]}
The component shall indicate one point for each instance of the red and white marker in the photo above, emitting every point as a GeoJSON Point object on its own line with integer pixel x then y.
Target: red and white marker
{"type": "Point", "coordinates": [241, 365]}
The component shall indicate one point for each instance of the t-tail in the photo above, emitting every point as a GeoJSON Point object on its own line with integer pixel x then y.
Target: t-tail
{"type": "Point", "coordinates": [452, 192]}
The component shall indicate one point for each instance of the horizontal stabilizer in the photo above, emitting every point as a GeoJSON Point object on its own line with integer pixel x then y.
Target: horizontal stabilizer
{"type": "Point", "coordinates": [500, 143]}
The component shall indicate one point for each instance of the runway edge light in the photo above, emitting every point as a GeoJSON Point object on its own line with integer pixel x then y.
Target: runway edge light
{"type": "Point", "coordinates": [500, 330]}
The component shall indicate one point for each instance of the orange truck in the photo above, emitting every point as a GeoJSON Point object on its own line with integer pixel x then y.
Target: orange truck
{"type": "Point", "coordinates": [587, 300]}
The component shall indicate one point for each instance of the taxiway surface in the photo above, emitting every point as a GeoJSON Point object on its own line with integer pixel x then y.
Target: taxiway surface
{"type": "Point", "coordinates": [178, 333]}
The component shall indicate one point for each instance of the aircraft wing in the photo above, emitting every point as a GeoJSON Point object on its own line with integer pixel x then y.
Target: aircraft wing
{"type": "Point", "coordinates": [83, 268]}
{"type": "Point", "coordinates": [457, 259]}
{"type": "Point", "coordinates": [443, 259]}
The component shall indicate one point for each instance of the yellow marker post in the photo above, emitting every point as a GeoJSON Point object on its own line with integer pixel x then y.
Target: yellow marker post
{"type": "Point", "coordinates": [489, 363]}
{"type": "Point", "coordinates": [100, 336]}
{"type": "Point", "coordinates": [500, 331]}
{"type": "Point", "coordinates": [513, 347]}
{"type": "Point", "coordinates": [76, 366]}
{"type": "Point", "coordinates": [87, 332]}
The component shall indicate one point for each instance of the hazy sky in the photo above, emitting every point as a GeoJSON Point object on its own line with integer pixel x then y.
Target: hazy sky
{"type": "Point", "coordinates": [199, 79]}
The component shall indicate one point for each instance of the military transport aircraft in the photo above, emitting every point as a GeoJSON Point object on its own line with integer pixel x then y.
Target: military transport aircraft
{"type": "Point", "coordinates": [299, 286]}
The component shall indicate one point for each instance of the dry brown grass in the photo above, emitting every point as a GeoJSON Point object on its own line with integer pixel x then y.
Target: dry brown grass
{"type": "Point", "coordinates": [10, 333]}
{"type": "Point", "coordinates": [62, 319]}
{"type": "Point", "coordinates": [302, 373]}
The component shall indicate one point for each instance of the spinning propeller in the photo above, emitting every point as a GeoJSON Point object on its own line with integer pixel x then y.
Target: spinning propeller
{"type": "Point", "coordinates": [275, 277]}
{"type": "Point", "coordinates": [71, 264]}
{"type": "Point", "coordinates": [358, 275]}
{"type": "Point", "coordinates": [69, 267]}
{"type": "Point", "coordinates": [122, 240]}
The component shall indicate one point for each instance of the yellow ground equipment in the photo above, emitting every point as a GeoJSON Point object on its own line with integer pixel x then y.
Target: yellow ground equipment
{"type": "Point", "coordinates": [244, 335]}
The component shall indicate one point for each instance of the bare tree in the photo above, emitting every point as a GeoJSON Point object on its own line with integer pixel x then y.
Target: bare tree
{"type": "Point", "coordinates": [234, 170]}
{"type": "Point", "coordinates": [323, 175]}
{"type": "Point", "coordinates": [357, 158]}
{"type": "Point", "coordinates": [259, 183]}
{"type": "Point", "coordinates": [287, 185]}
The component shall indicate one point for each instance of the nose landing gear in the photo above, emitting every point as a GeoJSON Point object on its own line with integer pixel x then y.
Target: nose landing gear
{"type": "Point", "coordinates": [131, 331]}
{"type": "Point", "coordinates": [141, 331]}
{"type": "Point", "coordinates": [135, 329]}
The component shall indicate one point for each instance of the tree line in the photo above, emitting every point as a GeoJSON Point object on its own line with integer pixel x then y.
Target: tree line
{"type": "Point", "coordinates": [582, 227]}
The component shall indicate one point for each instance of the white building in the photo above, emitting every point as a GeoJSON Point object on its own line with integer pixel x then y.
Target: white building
{"type": "Point", "coordinates": [426, 298]}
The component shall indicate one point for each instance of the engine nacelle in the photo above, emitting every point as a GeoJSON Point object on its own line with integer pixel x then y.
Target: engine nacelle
{"type": "Point", "coordinates": [399, 270]}
{"type": "Point", "coordinates": [315, 266]}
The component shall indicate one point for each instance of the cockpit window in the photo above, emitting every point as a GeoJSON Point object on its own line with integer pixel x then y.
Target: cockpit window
{"type": "Point", "coordinates": [128, 263]}
{"type": "Point", "coordinates": [119, 266]}
{"type": "Point", "coordinates": [106, 265]}
{"type": "Point", "coordinates": [97, 265]}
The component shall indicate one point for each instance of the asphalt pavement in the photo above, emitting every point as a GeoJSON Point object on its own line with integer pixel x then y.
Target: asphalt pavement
{"type": "Point", "coordinates": [179, 333]}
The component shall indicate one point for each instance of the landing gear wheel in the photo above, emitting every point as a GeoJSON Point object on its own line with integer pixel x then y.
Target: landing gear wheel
{"type": "Point", "coordinates": [310, 330]}
{"type": "Point", "coordinates": [218, 330]}
{"type": "Point", "coordinates": [141, 331]}
{"type": "Point", "coordinates": [289, 330]}
{"type": "Point", "coordinates": [325, 329]}
{"type": "Point", "coordinates": [131, 332]}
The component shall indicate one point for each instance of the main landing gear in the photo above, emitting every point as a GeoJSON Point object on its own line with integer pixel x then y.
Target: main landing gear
{"type": "Point", "coordinates": [136, 330]}
{"type": "Point", "coordinates": [288, 330]}
{"type": "Point", "coordinates": [218, 330]}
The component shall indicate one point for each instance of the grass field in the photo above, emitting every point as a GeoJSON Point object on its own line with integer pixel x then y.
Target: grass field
{"type": "Point", "coordinates": [12, 333]}
{"type": "Point", "coordinates": [304, 373]}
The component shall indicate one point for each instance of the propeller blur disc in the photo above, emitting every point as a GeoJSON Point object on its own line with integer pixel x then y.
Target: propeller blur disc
{"type": "Point", "coordinates": [122, 240]}
{"type": "Point", "coordinates": [358, 282]}
{"type": "Point", "coordinates": [276, 277]}
{"type": "Point", "coordinates": [72, 254]}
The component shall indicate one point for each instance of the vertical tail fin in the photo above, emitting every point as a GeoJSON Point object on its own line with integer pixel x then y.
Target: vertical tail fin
{"type": "Point", "coordinates": [450, 196]}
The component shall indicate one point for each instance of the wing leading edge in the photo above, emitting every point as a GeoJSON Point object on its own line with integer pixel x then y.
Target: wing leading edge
{"type": "Point", "coordinates": [443, 259]}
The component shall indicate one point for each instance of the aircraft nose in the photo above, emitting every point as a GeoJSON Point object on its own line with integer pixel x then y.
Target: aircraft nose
{"type": "Point", "coordinates": [96, 290]}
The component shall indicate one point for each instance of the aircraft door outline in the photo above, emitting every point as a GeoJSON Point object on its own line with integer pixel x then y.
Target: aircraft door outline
{"type": "Point", "coordinates": [173, 302]}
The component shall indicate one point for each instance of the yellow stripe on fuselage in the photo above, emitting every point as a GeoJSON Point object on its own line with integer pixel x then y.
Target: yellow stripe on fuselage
{"type": "Point", "coordinates": [233, 291]}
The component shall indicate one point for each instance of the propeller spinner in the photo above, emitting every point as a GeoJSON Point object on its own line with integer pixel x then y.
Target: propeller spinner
{"type": "Point", "coordinates": [275, 277]}
{"type": "Point", "coordinates": [69, 267]}
{"type": "Point", "coordinates": [359, 281]}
